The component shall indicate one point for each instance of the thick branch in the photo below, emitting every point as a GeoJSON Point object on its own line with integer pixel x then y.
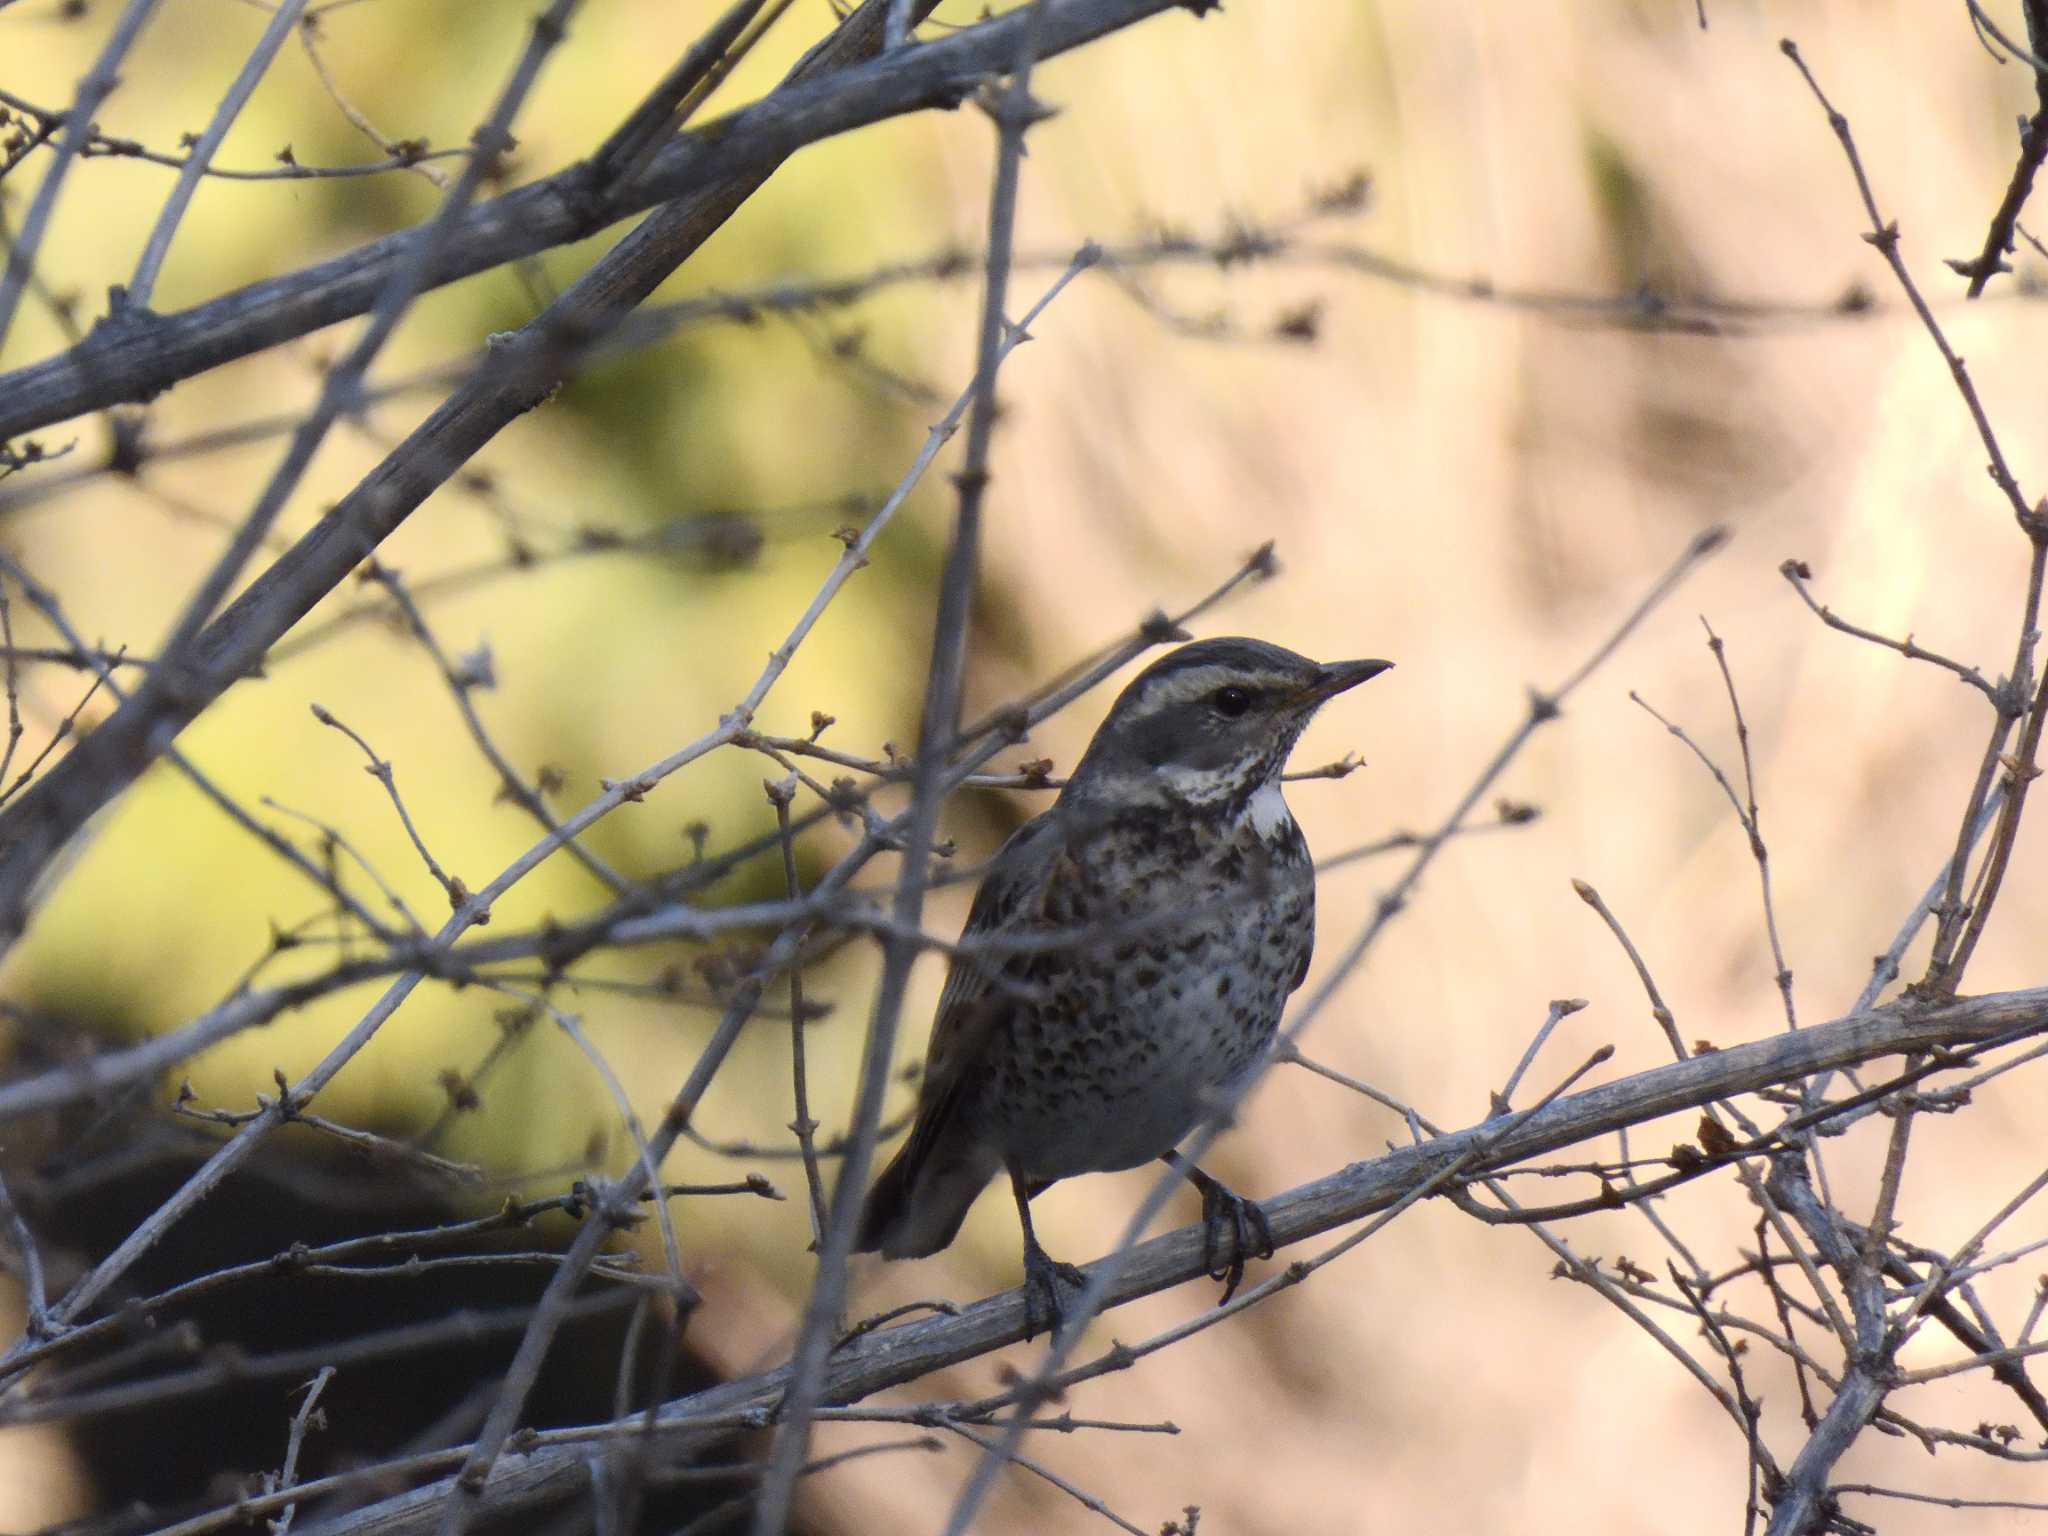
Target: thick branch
{"type": "Point", "coordinates": [1799, 1506]}
{"type": "Point", "coordinates": [141, 356]}
{"type": "Point", "coordinates": [892, 1356]}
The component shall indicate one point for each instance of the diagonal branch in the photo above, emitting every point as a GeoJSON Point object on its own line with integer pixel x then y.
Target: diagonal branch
{"type": "Point", "coordinates": [888, 1357]}
{"type": "Point", "coordinates": [940, 724]}
{"type": "Point", "coordinates": [724, 160]}
{"type": "Point", "coordinates": [518, 374]}
{"type": "Point", "coordinates": [2033, 150]}
{"type": "Point", "coordinates": [20, 268]}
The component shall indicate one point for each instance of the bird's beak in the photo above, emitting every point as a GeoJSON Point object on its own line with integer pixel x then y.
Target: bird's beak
{"type": "Point", "coordinates": [1335, 677]}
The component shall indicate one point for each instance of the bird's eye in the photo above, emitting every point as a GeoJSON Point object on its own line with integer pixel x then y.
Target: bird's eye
{"type": "Point", "coordinates": [1231, 702]}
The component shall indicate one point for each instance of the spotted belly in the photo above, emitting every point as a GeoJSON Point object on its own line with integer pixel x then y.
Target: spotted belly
{"type": "Point", "coordinates": [1121, 1048]}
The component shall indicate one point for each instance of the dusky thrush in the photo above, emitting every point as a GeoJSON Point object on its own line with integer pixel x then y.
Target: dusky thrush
{"type": "Point", "coordinates": [1125, 963]}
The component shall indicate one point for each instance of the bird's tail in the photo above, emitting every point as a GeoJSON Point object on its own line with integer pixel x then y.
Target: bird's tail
{"type": "Point", "coordinates": [915, 1208]}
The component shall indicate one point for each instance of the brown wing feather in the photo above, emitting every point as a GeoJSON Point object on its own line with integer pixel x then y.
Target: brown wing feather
{"type": "Point", "coordinates": [1014, 888]}
{"type": "Point", "coordinates": [916, 1205]}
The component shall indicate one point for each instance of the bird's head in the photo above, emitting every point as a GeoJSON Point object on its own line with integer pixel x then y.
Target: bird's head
{"type": "Point", "coordinates": [1208, 724]}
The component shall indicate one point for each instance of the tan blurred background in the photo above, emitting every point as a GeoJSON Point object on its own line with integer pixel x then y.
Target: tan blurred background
{"type": "Point", "coordinates": [1477, 492]}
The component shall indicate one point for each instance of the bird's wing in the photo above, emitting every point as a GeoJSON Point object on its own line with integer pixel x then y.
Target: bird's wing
{"type": "Point", "coordinates": [1308, 948]}
{"type": "Point", "coordinates": [918, 1201]}
{"type": "Point", "coordinates": [1011, 902]}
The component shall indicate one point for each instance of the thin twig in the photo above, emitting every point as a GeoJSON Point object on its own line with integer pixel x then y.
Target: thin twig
{"type": "Point", "coordinates": [302, 1420]}
{"type": "Point", "coordinates": [1014, 112]}
{"type": "Point", "coordinates": [94, 89]}
{"type": "Point", "coordinates": [463, 680]}
{"type": "Point", "coordinates": [803, 1127]}
{"type": "Point", "coordinates": [142, 286]}
{"type": "Point", "coordinates": [45, 602]}
{"type": "Point", "coordinates": [1998, 238]}
{"type": "Point", "coordinates": [1559, 1009]}
{"type": "Point", "coordinates": [1798, 574]}
{"type": "Point", "coordinates": [381, 770]}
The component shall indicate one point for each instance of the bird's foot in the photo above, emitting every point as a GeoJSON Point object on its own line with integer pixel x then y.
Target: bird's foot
{"type": "Point", "coordinates": [1234, 1229]}
{"type": "Point", "coordinates": [1044, 1306]}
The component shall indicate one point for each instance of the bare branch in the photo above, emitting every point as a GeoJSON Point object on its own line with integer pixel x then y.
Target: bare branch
{"type": "Point", "coordinates": [891, 1356]}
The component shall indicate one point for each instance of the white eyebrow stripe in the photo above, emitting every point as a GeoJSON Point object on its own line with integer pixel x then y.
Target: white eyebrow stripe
{"type": "Point", "coordinates": [1181, 687]}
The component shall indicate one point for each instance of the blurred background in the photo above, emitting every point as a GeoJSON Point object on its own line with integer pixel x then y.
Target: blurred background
{"type": "Point", "coordinates": [1477, 489]}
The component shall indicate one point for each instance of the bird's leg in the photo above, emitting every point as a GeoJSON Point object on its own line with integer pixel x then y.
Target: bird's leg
{"type": "Point", "coordinates": [1230, 1224]}
{"type": "Point", "coordinates": [1043, 1274]}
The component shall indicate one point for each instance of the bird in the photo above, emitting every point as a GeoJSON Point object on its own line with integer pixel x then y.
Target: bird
{"type": "Point", "coordinates": [1125, 964]}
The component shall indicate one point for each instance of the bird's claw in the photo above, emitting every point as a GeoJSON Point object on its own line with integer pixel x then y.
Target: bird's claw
{"type": "Point", "coordinates": [1044, 1308]}
{"type": "Point", "coordinates": [1234, 1226]}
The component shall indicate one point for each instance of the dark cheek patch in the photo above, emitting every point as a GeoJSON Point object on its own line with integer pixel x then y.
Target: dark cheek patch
{"type": "Point", "coordinates": [1152, 739]}
{"type": "Point", "coordinates": [1171, 736]}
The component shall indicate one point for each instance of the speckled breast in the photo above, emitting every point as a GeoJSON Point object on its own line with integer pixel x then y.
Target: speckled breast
{"type": "Point", "coordinates": [1125, 1042]}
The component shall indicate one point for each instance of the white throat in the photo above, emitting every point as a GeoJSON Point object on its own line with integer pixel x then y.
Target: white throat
{"type": "Point", "coordinates": [1267, 811]}
{"type": "Point", "coordinates": [1199, 786]}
